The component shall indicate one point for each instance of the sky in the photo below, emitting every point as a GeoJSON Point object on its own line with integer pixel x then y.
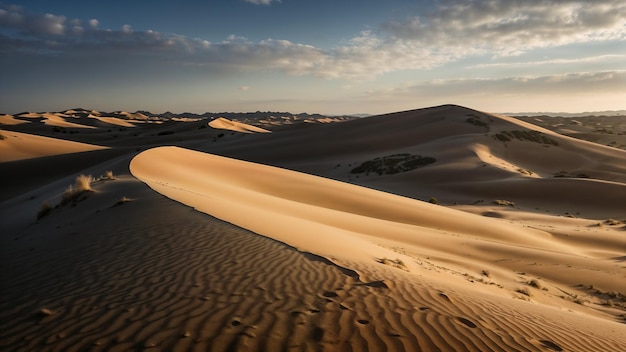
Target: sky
{"type": "Point", "coordinates": [316, 56]}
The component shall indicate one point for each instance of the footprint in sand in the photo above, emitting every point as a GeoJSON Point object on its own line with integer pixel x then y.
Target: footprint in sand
{"type": "Point", "coordinates": [551, 345]}
{"type": "Point", "coordinates": [444, 296]}
{"type": "Point", "coordinates": [467, 322]}
{"type": "Point", "coordinates": [330, 294]}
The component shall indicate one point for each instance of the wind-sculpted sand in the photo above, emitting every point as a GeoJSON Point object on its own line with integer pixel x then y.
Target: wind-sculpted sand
{"type": "Point", "coordinates": [356, 228]}
{"type": "Point", "coordinates": [184, 246]}
{"type": "Point", "coordinates": [20, 146]}
{"type": "Point", "coordinates": [226, 124]}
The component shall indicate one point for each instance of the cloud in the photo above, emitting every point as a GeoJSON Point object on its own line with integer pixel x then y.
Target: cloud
{"type": "Point", "coordinates": [617, 58]}
{"type": "Point", "coordinates": [453, 30]}
{"type": "Point", "coordinates": [583, 83]}
{"type": "Point", "coordinates": [244, 88]}
{"type": "Point", "coordinates": [261, 2]}
{"type": "Point", "coordinates": [509, 27]}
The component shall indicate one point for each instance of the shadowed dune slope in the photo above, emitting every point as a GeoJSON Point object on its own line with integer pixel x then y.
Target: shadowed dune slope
{"type": "Point", "coordinates": [479, 156]}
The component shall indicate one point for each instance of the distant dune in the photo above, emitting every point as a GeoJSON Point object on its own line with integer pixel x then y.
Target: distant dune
{"type": "Point", "coordinates": [18, 146]}
{"type": "Point", "coordinates": [443, 228]}
{"type": "Point", "coordinates": [225, 124]}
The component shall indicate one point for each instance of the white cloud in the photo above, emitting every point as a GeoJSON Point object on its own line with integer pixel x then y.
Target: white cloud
{"type": "Point", "coordinates": [585, 83]}
{"type": "Point", "coordinates": [509, 27]}
{"type": "Point", "coordinates": [244, 88]}
{"type": "Point", "coordinates": [617, 58]}
{"type": "Point", "coordinates": [261, 2]}
{"type": "Point", "coordinates": [454, 30]}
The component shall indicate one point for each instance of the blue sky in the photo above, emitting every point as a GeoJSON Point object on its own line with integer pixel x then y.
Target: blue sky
{"type": "Point", "coordinates": [326, 56]}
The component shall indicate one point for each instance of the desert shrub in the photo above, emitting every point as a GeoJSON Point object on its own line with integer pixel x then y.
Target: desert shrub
{"type": "Point", "coordinates": [396, 263]}
{"type": "Point", "coordinates": [73, 193]}
{"type": "Point", "coordinates": [534, 283]}
{"type": "Point", "coordinates": [504, 202]}
{"type": "Point", "coordinates": [477, 122]}
{"type": "Point", "coordinates": [46, 312]}
{"type": "Point", "coordinates": [2, 137]}
{"type": "Point", "coordinates": [393, 164]}
{"type": "Point", "coordinates": [44, 210]}
{"type": "Point", "coordinates": [433, 200]}
{"type": "Point", "coordinates": [122, 201]}
{"type": "Point", "coordinates": [524, 291]}
{"type": "Point", "coordinates": [108, 175]}
{"type": "Point", "coordinates": [486, 273]}
{"type": "Point", "coordinates": [83, 183]}
{"type": "Point", "coordinates": [525, 135]}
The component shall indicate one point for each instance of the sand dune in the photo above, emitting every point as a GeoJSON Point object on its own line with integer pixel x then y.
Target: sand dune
{"type": "Point", "coordinates": [524, 253]}
{"type": "Point", "coordinates": [10, 120]}
{"type": "Point", "coordinates": [356, 227]}
{"type": "Point", "coordinates": [225, 124]}
{"type": "Point", "coordinates": [19, 146]}
{"type": "Point", "coordinates": [113, 121]}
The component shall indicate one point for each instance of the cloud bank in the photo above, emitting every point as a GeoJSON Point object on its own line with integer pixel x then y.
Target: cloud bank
{"type": "Point", "coordinates": [453, 30]}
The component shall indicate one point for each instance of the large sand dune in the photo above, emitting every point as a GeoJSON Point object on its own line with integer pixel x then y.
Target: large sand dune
{"type": "Point", "coordinates": [525, 251]}
{"type": "Point", "coordinates": [19, 146]}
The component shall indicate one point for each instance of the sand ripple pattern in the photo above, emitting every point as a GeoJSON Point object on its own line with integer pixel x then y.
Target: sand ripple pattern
{"type": "Point", "coordinates": [172, 279]}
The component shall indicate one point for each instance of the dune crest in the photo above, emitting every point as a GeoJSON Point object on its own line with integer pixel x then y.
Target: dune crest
{"type": "Point", "coordinates": [19, 146]}
{"type": "Point", "coordinates": [322, 216]}
{"type": "Point", "coordinates": [226, 124]}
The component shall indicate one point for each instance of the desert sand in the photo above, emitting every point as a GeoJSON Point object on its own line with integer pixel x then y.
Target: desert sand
{"type": "Point", "coordinates": [438, 229]}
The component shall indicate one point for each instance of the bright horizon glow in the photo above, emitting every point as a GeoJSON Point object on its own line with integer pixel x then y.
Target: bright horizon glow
{"type": "Point", "coordinates": [317, 56]}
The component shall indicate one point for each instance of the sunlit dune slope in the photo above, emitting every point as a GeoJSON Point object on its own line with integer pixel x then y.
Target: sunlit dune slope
{"type": "Point", "coordinates": [323, 216]}
{"type": "Point", "coordinates": [19, 146]}
{"type": "Point", "coordinates": [479, 156]}
{"type": "Point", "coordinates": [226, 124]}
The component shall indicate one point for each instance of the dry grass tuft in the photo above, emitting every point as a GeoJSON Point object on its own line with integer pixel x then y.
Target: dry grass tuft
{"type": "Point", "coordinates": [396, 263]}
{"type": "Point", "coordinates": [83, 183]}
{"type": "Point", "coordinates": [44, 210]}
{"type": "Point", "coordinates": [122, 201]}
{"type": "Point", "coordinates": [503, 202]}
{"type": "Point", "coordinates": [46, 312]}
{"type": "Point", "coordinates": [72, 193]}
{"type": "Point", "coordinates": [108, 175]}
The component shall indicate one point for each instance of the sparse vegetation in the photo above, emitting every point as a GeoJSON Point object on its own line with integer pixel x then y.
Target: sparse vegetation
{"type": "Point", "coordinates": [477, 122]}
{"type": "Point", "coordinates": [396, 263]}
{"type": "Point", "coordinates": [73, 193]}
{"type": "Point", "coordinates": [122, 201]}
{"type": "Point", "coordinates": [486, 273]}
{"type": "Point", "coordinates": [433, 200]}
{"type": "Point", "coordinates": [534, 283]}
{"type": "Point", "coordinates": [525, 135]}
{"type": "Point", "coordinates": [524, 291]}
{"type": "Point", "coordinates": [567, 174]}
{"type": "Point", "coordinates": [525, 172]}
{"type": "Point", "coordinates": [46, 312]}
{"type": "Point", "coordinates": [393, 164]}
{"type": "Point", "coordinates": [612, 222]}
{"type": "Point", "coordinates": [108, 175]}
{"type": "Point", "coordinates": [2, 137]}
{"type": "Point", "coordinates": [507, 203]}
{"type": "Point", "coordinates": [44, 210]}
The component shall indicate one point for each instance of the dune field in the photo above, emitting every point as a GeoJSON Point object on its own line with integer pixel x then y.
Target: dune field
{"type": "Point", "coordinates": [437, 229]}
